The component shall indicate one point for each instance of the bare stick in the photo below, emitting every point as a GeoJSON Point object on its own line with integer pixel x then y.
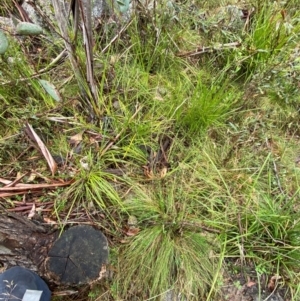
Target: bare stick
{"type": "Point", "coordinates": [203, 49]}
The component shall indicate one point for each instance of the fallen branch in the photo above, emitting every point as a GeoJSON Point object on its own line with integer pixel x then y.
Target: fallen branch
{"type": "Point", "coordinates": [203, 49]}
{"type": "Point", "coordinates": [27, 188]}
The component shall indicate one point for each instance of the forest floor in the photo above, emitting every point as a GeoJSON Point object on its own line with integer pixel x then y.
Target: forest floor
{"type": "Point", "coordinates": [180, 142]}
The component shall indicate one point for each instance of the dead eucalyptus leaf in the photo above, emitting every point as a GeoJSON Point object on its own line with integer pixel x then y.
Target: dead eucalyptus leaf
{"type": "Point", "coordinates": [32, 212]}
{"type": "Point", "coordinates": [4, 181]}
{"type": "Point", "coordinates": [163, 172]}
{"type": "Point", "coordinates": [49, 221]}
{"type": "Point", "coordinates": [33, 135]}
{"type": "Point", "coordinates": [76, 139]}
{"type": "Point", "coordinates": [132, 231]}
{"type": "Point", "coordinates": [273, 282]}
{"type": "Point", "coordinates": [31, 177]}
{"type": "Point", "coordinates": [17, 180]}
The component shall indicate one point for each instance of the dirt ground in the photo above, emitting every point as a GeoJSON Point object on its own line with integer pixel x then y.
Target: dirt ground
{"type": "Point", "coordinates": [247, 285]}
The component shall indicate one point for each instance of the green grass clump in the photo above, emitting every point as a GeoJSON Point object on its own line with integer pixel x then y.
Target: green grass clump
{"type": "Point", "coordinates": [171, 250]}
{"type": "Point", "coordinates": [207, 104]}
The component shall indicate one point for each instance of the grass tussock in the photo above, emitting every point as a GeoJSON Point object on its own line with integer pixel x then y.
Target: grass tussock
{"type": "Point", "coordinates": [171, 237]}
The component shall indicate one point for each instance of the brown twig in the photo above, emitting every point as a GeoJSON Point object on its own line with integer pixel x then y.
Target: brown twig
{"type": "Point", "coordinates": [33, 187]}
{"type": "Point", "coordinates": [16, 181]}
{"type": "Point", "coordinates": [203, 49]}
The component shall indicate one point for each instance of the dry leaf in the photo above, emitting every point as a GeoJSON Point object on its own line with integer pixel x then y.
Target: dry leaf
{"type": "Point", "coordinates": [31, 178]}
{"type": "Point", "coordinates": [46, 179]}
{"type": "Point", "coordinates": [148, 172]}
{"type": "Point", "coordinates": [163, 172]}
{"type": "Point", "coordinates": [32, 212]}
{"type": "Point", "coordinates": [251, 283]}
{"type": "Point", "coordinates": [33, 135]}
{"type": "Point", "coordinates": [76, 139]}
{"type": "Point", "coordinates": [273, 282]}
{"type": "Point", "coordinates": [50, 221]}
{"type": "Point", "coordinates": [102, 272]}
{"type": "Point", "coordinates": [15, 182]}
{"type": "Point", "coordinates": [132, 231]}
{"type": "Point", "coordinates": [4, 181]}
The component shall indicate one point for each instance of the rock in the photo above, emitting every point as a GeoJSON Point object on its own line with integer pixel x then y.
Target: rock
{"type": "Point", "coordinates": [41, 11]}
